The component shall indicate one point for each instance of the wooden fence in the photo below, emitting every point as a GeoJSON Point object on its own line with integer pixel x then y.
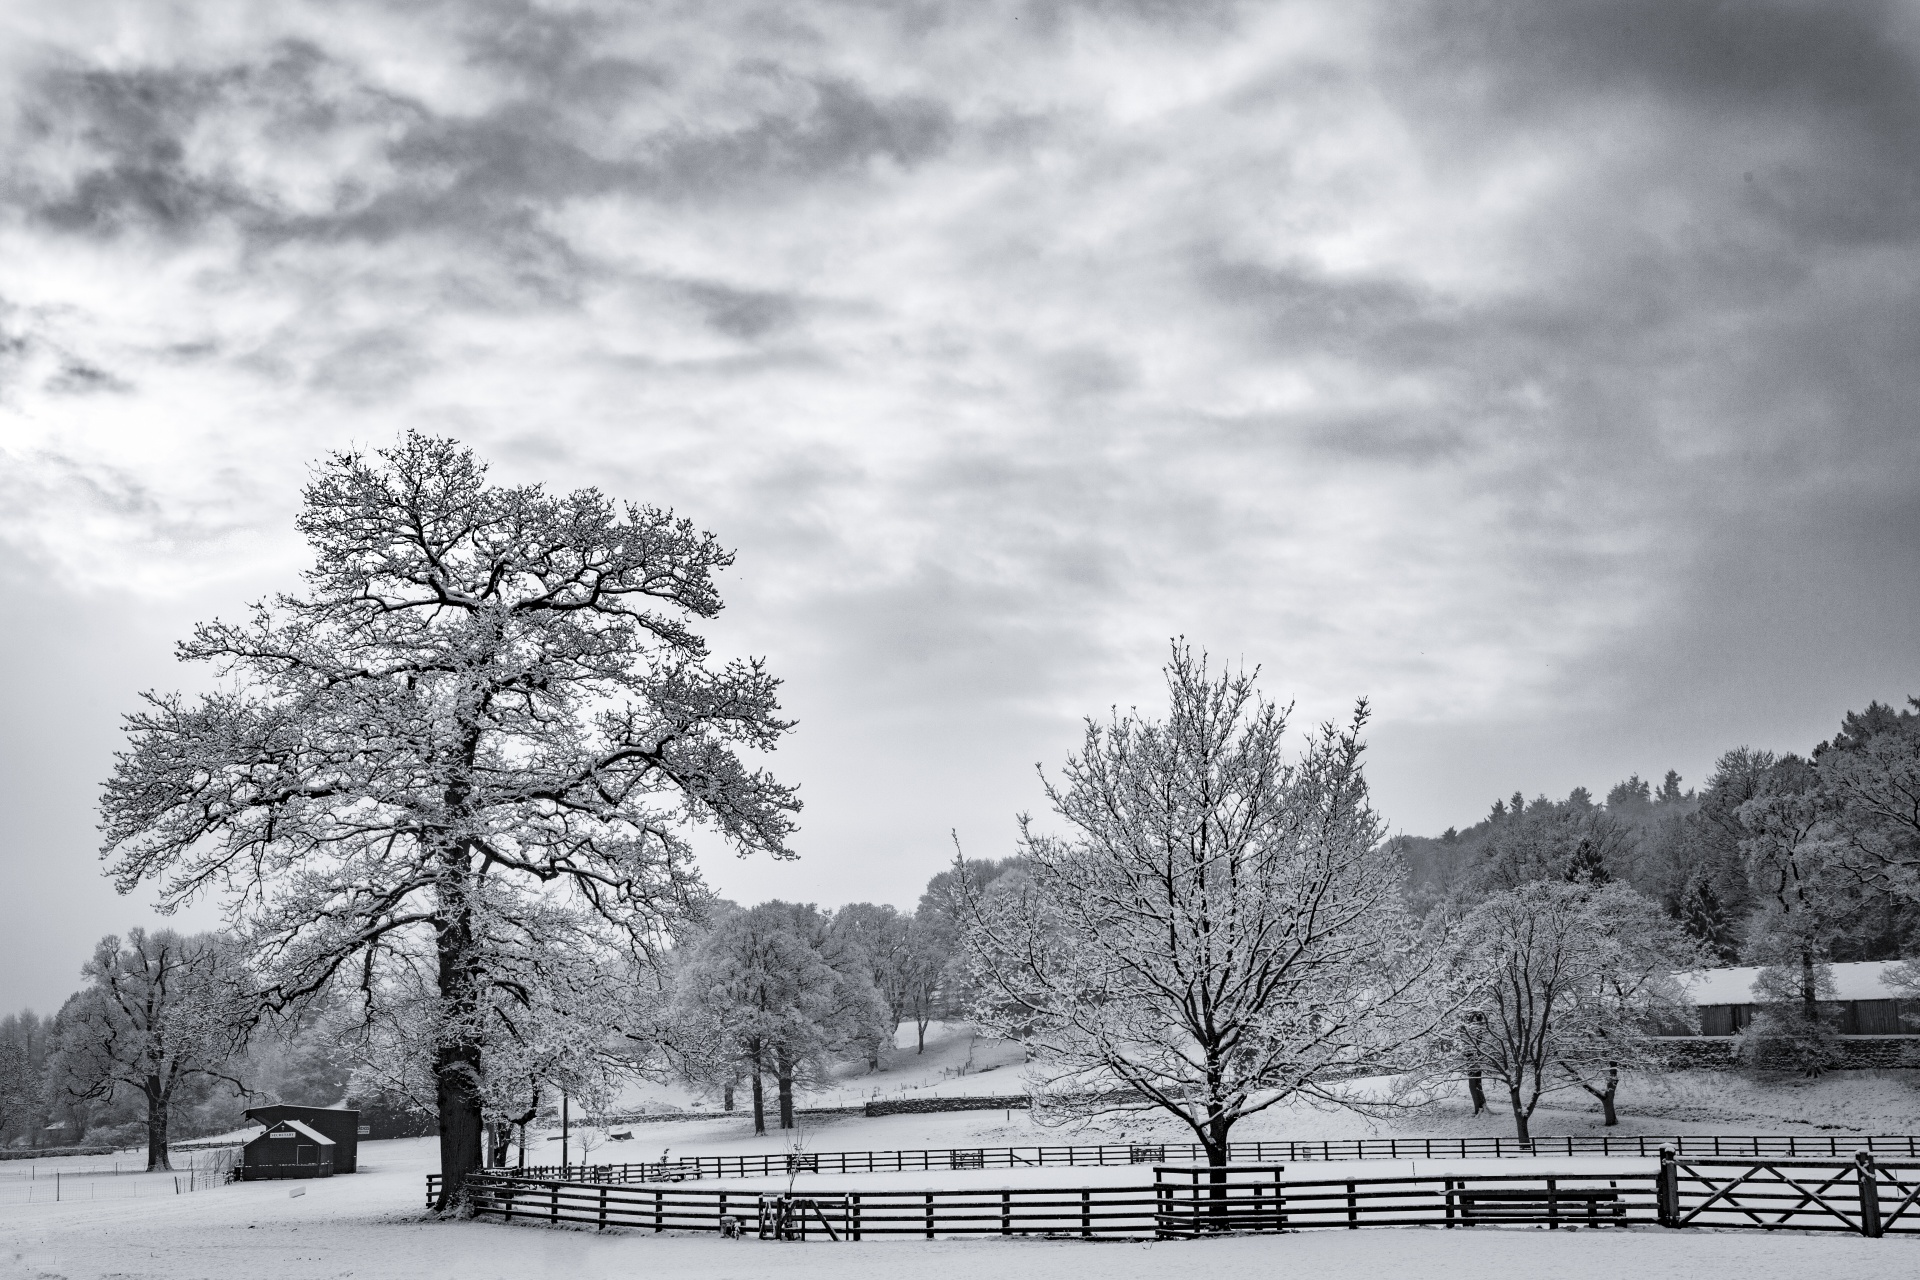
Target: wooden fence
{"type": "Point", "coordinates": [1182, 1201]}
{"type": "Point", "coordinates": [780, 1164]}
{"type": "Point", "coordinates": [1200, 1200]}
{"type": "Point", "coordinates": [1860, 1195]}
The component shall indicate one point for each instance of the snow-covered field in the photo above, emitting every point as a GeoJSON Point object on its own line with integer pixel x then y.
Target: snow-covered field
{"type": "Point", "coordinates": [370, 1226]}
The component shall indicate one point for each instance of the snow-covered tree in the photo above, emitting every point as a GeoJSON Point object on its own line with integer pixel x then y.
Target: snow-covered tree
{"type": "Point", "coordinates": [1870, 772]}
{"type": "Point", "coordinates": [1220, 930]}
{"type": "Point", "coordinates": [158, 1012]}
{"type": "Point", "coordinates": [1563, 984]}
{"type": "Point", "coordinates": [486, 711]}
{"type": "Point", "coordinates": [758, 996]}
{"type": "Point", "coordinates": [878, 941]}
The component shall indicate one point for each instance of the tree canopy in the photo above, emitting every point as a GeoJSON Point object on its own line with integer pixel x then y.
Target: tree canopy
{"type": "Point", "coordinates": [468, 751]}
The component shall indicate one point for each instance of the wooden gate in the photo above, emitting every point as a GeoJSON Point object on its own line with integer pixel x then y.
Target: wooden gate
{"type": "Point", "coordinates": [1860, 1196]}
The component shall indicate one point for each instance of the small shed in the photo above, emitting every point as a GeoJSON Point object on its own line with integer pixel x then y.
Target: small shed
{"type": "Point", "coordinates": [342, 1124]}
{"type": "Point", "coordinates": [288, 1149]}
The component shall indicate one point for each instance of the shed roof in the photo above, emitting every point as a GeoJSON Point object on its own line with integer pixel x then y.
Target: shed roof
{"type": "Point", "coordinates": [1853, 980]}
{"type": "Point", "coordinates": [308, 1130]}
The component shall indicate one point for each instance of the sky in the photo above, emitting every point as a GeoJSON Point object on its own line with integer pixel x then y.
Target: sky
{"type": "Point", "coordinates": [1545, 374]}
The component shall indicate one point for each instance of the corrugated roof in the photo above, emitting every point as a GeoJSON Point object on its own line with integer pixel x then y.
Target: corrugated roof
{"type": "Point", "coordinates": [1854, 980]}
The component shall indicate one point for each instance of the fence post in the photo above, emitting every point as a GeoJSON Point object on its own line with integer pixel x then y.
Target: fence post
{"type": "Point", "coordinates": [1086, 1214]}
{"type": "Point", "coordinates": [1870, 1224]}
{"type": "Point", "coordinates": [1006, 1213]}
{"type": "Point", "coordinates": [1667, 1189]}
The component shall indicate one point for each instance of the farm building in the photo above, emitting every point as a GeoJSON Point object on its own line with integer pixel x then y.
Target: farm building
{"type": "Point", "coordinates": [340, 1124]}
{"type": "Point", "coordinates": [1865, 1003]}
{"type": "Point", "coordinates": [288, 1149]}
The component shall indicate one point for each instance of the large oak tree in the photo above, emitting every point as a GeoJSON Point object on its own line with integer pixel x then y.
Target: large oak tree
{"type": "Point", "coordinates": [484, 724]}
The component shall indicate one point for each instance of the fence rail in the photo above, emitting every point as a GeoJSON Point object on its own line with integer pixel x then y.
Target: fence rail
{"type": "Point", "coordinates": [1859, 1195]}
{"type": "Point", "coordinates": [780, 1164]}
{"type": "Point", "coordinates": [1176, 1204]}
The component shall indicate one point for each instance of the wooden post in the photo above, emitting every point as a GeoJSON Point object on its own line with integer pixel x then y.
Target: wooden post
{"type": "Point", "coordinates": [1006, 1213]}
{"type": "Point", "coordinates": [853, 1213]}
{"type": "Point", "coordinates": [603, 1209]}
{"type": "Point", "coordinates": [1553, 1206]}
{"type": "Point", "coordinates": [1086, 1214]}
{"type": "Point", "coordinates": [658, 1225]}
{"type": "Point", "coordinates": [1667, 1189]}
{"type": "Point", "coordinates": [1353, 1209]}
{"type": "Point", "coordinates": [1448, 1183]}
{"type": "Point", "coordinates": [1870, 1224]}
{"type": "Point", "coordinates": [929, 1215]}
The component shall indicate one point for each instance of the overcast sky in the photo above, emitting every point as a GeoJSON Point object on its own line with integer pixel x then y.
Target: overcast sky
{"type": "Point", "coordinates": [1545, 373]}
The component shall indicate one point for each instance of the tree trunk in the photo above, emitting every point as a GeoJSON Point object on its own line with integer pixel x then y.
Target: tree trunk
{"type": "Point", "coordinates": [499, 1143]}
{"type": "Point", "coordinates": [1477, 1091]}
{"type": "Point", "coordinates": [1520, 1114]}
{"type": "Point", "coordinates": [759, 1099]}
{"type": "Point", "coordinates": [156, 1125]}
{"type": "Point", "coordinates": [784, 1070]}
{"type": "Point", "coordinates": [920, 1028]}
{"type": "Point", "coordinates": [1809, 990]}
{"type": "Point", "coordinates": [726, 1097]}
{"type": "Point", "coordinates": [1214, 1140]}
{"type": "Point", "coordinates": [456, 1060]}
{"type": "Point", "coordinates": [1606, 1097]}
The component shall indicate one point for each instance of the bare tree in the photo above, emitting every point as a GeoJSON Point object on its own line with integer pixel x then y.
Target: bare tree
{"type": "Point", "coordinates": [157, 1012]}
{"type": "Point", "coordinates": [486, 712]}
{"type": "Point", "coordinates": [1222, 930]}
{"type": "Point", "coordinates": [1564, 984]}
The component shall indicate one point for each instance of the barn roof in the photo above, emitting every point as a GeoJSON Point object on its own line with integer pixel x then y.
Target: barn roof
{"type": "Point", "coordinates": [1854, 980]}
{"type": "Point", "coordinates": [278, 1110]}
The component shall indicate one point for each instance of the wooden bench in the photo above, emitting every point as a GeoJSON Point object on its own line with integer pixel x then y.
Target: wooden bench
{"type": "Point", "coordinates": [1534, 1205]}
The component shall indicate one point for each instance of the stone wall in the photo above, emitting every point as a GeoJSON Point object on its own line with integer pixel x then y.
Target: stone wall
{"type": "Point", "coordinates": [1858, 1053]}
{"type": "Point", "coordinates": [915, 1106]}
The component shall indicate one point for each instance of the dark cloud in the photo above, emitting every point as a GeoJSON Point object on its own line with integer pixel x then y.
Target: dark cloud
{"type": "Point", "coordinates": [77, 378]}
{"type": "Point", "coordinates": [1817, 100]}
{"type": "Point", "coordinates": [132, 123]}
{"type": "Point", "coordinates": [747, 314]}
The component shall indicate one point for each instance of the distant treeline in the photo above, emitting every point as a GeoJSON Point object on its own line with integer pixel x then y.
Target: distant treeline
{"type": "Point", "coordinates": [1818, 848]}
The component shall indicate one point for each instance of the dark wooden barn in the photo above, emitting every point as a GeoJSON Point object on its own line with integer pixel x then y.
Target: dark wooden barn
{"type": "Point", "coordinates": [338, 1123]}
{"type": "Point", "coordinates": [1864, 1000]}
{"type": "Point", "coordinates": [288, 1149]}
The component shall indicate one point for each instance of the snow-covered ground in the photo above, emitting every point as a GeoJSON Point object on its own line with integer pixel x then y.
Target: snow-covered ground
{"type": "Point", "coordinates": [958, 1063]}
{"type": "Point", "coordinates": [370, 1226]}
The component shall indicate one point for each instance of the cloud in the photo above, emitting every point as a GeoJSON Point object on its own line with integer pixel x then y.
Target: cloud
{"type": "Point", "coordinates": [1543, 372]}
